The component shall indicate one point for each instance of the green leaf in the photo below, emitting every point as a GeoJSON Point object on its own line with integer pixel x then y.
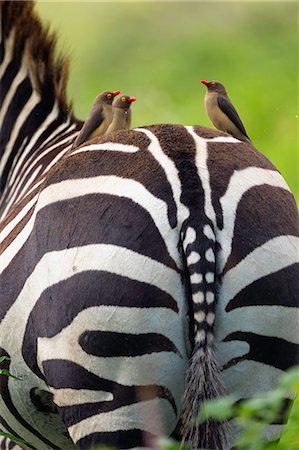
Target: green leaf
{"type": "Point", "coordinates": [220, 409]}
{"type": "Point", "coordinates": [4, 358]}
{"type": "Point", "coordinates": [290, 380]}
{"type": "Point", "coordinates": [13, 438]}
{"type": "Point", "coordinates": [8, 374]}
{"type": "Point", "coordinates": [168, 444]}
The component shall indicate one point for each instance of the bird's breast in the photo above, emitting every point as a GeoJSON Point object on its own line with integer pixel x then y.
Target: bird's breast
{"type": "Point", "coordinates": [217, 116]}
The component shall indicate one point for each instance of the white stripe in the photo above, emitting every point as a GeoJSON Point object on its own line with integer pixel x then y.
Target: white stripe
{"type": "Point", "coordinates": [8, 49]}
{"type": "Point", "coordinates": [29, 106]}
{"type": "Point", "coordinates": [143, 369]}
{"type": "Point", "coordinates": [33, 159]}
{"type": "Point", "coordinates": [17, 172]}
{"type": "Point", "coordinates": [118, 186]}
{"type": "Point", "coordinates": [171, 172]}
{"type": "Point", "coordinates": [17, 219]}
{"type": "Point", "coordinates": [63, 129]}
{"type": "Point", "coordinates": [29, 182]}
{"type": "Point", "coordinates": [19, 78]}
{"type": "Point", "coordinates": [92, 257]}
{"type": "Point", "coordinates": [240, 182]}
{"type": "Point", "coordinates": [274, 255]}
{"type": "Point", "coordinates": [203, 172]}
{"type": "Point", "coordinates": [70, 397]}
{"type": "Point", "coordinates": [138, 415]}
{"type": "Point", "coordinates": [261, 377]}
{"type": "Point", "coordinates": [268, 319]}
{"type": "Point", "coordinates": [18, 196]}
{"type": "Point", "coordinates": [224, 139]}
{"type": "Point", "coordinates": [19, 164]}
{"type": "Point", "coordinates": [109, 146]}
{"type": "Point", "coordinates": [103, 184]}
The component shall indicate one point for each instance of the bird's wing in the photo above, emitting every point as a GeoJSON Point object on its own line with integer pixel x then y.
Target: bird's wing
{"type": "Point", "coordinates": [93, 121]}
{"type": "Point", "coordinates": [228, 109]}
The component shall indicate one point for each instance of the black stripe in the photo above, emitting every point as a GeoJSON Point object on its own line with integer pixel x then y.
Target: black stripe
{"type": "Point", "coordinates": [41, 165]}
{"type": "Point", "coordinates": [278, 288]}
{"type": "Point", "coordinates": [263, 213]}
{"type": "Point", "coordinates": [8, 77]}
{"type": "Point", "coordinates": [273, 351]}
{"type": "Point", "coordinates": [11, 236]}
{"type": "Point", "coordinates": [38, 148]}
{"type": "Point", "coordinates": [140, 166]}
{"type": "Point", "coordinates": [71, 224]}
{"type": "Point", "coordinates": [82, 291]}
{"type": "Point", "coordinates": [28, 128]}
{"type": "Point", "coordinates": [66, 374]}
{"type": "Point", "coordinates": [119, 439]}
{"type": "Point", "coordinates": [112, 344]}
{"type": "Point", "coordinates": [224, 158]}
{"type": "Point", "coordinates": [18, 102]}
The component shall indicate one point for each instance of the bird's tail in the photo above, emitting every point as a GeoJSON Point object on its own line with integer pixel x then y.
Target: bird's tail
{"type": "Point", "coordinates": [203, 376]}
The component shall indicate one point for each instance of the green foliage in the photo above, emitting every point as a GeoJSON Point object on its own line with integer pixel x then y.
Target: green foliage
{"type": "Point", "coordinates": [158, 52]}
{"type": "Point", "coordinates": [252, 416]}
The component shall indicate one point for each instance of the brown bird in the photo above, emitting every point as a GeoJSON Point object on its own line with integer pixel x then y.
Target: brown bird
{"type": "Point", "coordinates": [99, 118]}
{"type": "Point", "coordinates": [221, 111]}
{"type": "Point", "coordinates": [122, 115]}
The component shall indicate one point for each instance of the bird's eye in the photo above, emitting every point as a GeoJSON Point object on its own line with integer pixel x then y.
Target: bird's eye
{"type": "Point", "coordinates": [123, 99]}
{"type": "Point", "coordinates": [213, 83]}
{"type": "Point", "coordinates": [109, 95]}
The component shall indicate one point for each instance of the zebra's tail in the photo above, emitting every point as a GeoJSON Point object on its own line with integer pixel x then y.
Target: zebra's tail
{"type": "Point", "coordinates": [203, 380]}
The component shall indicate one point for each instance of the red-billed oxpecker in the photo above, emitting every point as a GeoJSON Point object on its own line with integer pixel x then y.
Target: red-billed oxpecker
{"type": "Point", "coordinates": [221, 111]}
{"type": "Point", "coordinates": [99, 118]}
{"type": "Point", "coordinates": [122, 114]}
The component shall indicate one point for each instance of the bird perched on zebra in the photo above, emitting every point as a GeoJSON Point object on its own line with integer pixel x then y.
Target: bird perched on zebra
{"type": "Point", "coordinates": [99, 118]}
{"type": "Point", "coordinates": [121, 113]}
{"type": "Point", "coordinates": [221, 111]}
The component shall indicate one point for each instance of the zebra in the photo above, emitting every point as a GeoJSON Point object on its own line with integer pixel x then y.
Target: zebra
{"type": "Point", "coordinates": [142, 273]}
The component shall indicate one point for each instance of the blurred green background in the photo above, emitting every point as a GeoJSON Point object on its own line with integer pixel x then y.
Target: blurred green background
{"type": "Point", "coordinates": [158, 52]}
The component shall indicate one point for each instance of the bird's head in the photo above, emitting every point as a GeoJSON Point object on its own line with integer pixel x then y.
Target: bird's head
{"type": "Point", "coordinates": [123, 102]}
{"type": "Point", "coordinates": [107, 97]}
{"type": "Point", "coordinates": [214, 86]}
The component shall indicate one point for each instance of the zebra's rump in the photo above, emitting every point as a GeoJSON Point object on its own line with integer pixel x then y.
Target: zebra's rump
{"type": "Point", "coordinates": [119, 236]}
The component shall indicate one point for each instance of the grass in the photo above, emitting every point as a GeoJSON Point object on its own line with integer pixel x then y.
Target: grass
{"type": "Point", "coordinates": [158, 52]}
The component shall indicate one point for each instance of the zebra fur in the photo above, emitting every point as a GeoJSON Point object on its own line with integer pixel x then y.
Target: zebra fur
{"type": "Point", "coordinates": [144, 267]}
